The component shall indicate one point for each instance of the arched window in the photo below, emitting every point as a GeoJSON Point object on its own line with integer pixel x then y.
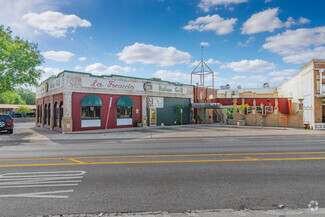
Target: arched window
{"type": "Point", "coordinates": [41, 114]}
{"type": "Point", "coordinates": [91, 107]}
{"type": "Point", "coordinates": [56, 114]}
{"type": "Point", "coordinates": [38, 114]}
{"type": "Point", "coordinates": [45, 114]}
{"type": "Point", "coordinates": [49, 114]}
{"type": "Point", "coordinates": [124, 107]}
{"type": "Point", "coordinates": [61, 114]}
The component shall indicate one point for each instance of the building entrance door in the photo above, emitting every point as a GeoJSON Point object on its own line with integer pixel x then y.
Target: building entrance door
{"type": "Point", "coordinates": [153, 117]}
{"type": "Point", "coordinates": [323, 113]}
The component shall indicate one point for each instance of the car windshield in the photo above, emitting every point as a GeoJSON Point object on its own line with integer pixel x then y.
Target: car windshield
{"type": "Point", "coordinates": [5, 118]}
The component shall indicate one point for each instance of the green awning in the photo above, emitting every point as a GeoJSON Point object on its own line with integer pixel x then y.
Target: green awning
{"type": "Point", "coordinates": [91, 100]}
{"type": "Point", "coordinates": [125, 101]}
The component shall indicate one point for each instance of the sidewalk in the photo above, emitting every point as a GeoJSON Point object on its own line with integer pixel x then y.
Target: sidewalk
{"type": "Point", "coordinates": [29, 132]}
{"type": "Point", "coordinates": [212, 213]}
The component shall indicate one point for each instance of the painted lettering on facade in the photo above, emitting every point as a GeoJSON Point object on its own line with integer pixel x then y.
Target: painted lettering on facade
{"type": "Point", "coordinates": [112, 84]}
{"type": "Point", "coordinates": [165, 88]}
{"type": "Point", "coordinates": [138, 87]}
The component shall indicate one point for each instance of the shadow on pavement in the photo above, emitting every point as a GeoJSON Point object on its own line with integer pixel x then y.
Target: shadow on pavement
{"type": "Point", "coordinates": [13, 139]}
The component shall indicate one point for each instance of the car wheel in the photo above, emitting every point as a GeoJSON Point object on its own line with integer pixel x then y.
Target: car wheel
{"type": "Point", "coordinates": [10, 131]}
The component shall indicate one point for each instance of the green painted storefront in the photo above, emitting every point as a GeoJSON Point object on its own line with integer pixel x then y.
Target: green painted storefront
{"type": "Point", "coordinates": [168, 115]}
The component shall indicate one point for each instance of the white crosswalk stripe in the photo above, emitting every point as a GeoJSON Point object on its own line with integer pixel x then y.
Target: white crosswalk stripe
{"type": "Point", "coordinates": [39, 180]}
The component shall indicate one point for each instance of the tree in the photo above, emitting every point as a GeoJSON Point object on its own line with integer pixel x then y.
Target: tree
{"type": "Point", "coordinates": [23, 110]}
{"type": "Point", "coordinates": [18, 61]}
{"type": "Point", "coordinates": [10, 97]}
{"type": "Point", "coordinates": [27, 95]}
{"type": "Point", "coordinates": [179, 112]}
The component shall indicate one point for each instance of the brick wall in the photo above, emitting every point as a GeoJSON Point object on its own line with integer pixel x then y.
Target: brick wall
{"type": "Point", "coordinates": [270, 120]}
{"type": "Point", "coordinates": [318, 108]}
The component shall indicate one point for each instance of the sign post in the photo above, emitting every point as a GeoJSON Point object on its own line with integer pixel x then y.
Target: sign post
{"type": "Point", "coordinates": [109, 108]}
{"type": "Point", "coordinates": [181, 116]}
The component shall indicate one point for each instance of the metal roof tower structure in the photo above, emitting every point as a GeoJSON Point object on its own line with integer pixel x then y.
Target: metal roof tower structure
{"type": "Point", "coordinates": [204, 71]}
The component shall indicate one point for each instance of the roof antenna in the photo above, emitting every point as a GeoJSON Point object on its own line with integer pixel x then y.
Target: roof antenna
{"type": "Point", "coordinates": [202, 49]}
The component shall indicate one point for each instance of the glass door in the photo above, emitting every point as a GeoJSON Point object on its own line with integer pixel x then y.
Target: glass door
{"type": "Point", "coordinates": [153, 117]}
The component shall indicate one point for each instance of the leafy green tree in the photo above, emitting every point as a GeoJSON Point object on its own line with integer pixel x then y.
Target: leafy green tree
{"type": "Point", "coordinates": [18, 61]}
{"type": "Point", "coordinates": [23, 110]}
{"type": "Point", "coordinates": [178, 109]}
{"type": "Point", "coordinates": [10, 97]}
{"type": "Point", "coordinates": [27, 95]}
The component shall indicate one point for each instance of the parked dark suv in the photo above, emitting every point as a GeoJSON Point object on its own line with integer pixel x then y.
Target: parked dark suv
{"type": "Point", "coordinates": [6, 123]}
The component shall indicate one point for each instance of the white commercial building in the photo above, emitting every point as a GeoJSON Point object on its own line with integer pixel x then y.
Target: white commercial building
{"type": "Point", "coordinates": [308, 86]}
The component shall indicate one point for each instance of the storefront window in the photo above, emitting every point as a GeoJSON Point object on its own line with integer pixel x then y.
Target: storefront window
{"type": "Point", "coordinates": [91, 107]}
{"type": "Point", "coordinates": [124, 112]}
{"type": "Point", "coordinates": [91, 112]}
{"type": "Point", "coordinates": [124, 107]}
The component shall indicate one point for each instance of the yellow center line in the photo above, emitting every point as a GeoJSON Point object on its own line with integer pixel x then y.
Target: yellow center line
{"type": "Point", "coordinates": [174, 161]}
{"type": "Point", "coordinates": [179, 155]}
{"type": "Point", "coordinates": [251, 158]}
{"type": "Point", "coordinates": [76, 161]}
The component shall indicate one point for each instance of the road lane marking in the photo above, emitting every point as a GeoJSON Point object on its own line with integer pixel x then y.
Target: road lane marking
{"type": "Point", "coordinates": [37, 186]}
{"type": "Point", "coordinates": [174, 161]}
{"type": "Point", "coordinates": [251, 158]}
{"type": "Point", "coordinates": [41, 194]}
{"type": "Point", "coordinates": [76, 160]}
{"type": "Point", "coordinates": [40, 180]}
{"type": "Point", "coordinates": [152, 156]}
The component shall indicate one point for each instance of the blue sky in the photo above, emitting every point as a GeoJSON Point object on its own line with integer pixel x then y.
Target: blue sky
{"type": "Point", "coordinates": [246, 42]}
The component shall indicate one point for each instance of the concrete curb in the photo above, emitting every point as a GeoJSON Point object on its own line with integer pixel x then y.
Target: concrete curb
{"type": "Point", "coordinates": [209, 213]}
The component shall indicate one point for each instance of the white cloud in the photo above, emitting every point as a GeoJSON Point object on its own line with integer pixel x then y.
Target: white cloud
{"type": "Point", "coordinates": [291, 41]}
{"type": "Point", "coordinates": [267, 1]}
{"type": "Point", "coordinates": [48, 72]}
{"type": "Point", "coordinates": [204, 44]}
{"type": "Point", "coordinates": [209, 61]}
{"type": "Point", "coordinates": [305, 56]}
{"type": "Point", "coordinates": [246, 43]}
{"type": "Point", "coordinates": [150, 54]}
{"type": "Point", "coordinates": [276, 81]}
{"type": "Point", "coordinates": [173, 76]}
{"type": "Point", "coordinates": [11, 13]}
{"type": "Point", "coordinates": [239, 77]}
{"type": "Point", "coordinates": [61, 56]}
{"type": "Point", "coordinates": [78, 68]}
{"type": "Point", "coordinates": [279, 77]}
{"type": "Point", "coordinates": [256, 78]}
{"type": "Point", "coordinates": [265, 21]}
{"type": "Point", "coordinates": [55, 23]}
{"type": "Point", "coordinates": [100, 69]}
{"type": "Point", "coordinates": [249, 66]}
{"type": "Point", "coordinates": [212, 23]}
{"type": "Point", "coordinates": [177, 76]}
{"type": "Point", "coordinates": [298, 46]}
{"type": "Point", "coordinates": [303, 20]}
{"type": "Point", "coordinates": [82, 58]}
{"type": "Point", "coordinates": [268, 21]}
{"type": "Point", "coordinates": [286, 72]}
{"type": "Point", "coordinates": [206, 5]}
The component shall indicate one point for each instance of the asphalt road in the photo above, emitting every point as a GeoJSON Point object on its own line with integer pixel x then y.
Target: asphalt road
{"type": "Point", "coordinates": [93, 176]}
